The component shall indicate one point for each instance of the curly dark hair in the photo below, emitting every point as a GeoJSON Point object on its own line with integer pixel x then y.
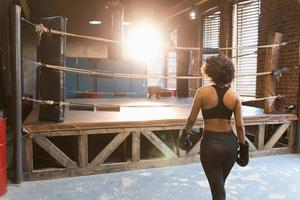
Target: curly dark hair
{"type": "Point", "coordinates": [219, 69]}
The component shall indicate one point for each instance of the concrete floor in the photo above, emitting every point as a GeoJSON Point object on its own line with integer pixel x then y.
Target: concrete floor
{"type": "Point", "coordinates": [273, 177]}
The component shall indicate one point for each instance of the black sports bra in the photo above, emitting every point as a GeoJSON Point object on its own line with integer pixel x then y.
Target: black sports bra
{"type": "Point", "coordinates": [220, 111]}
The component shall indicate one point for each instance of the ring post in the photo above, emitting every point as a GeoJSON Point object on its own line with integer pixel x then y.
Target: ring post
{"type": "Point", "coordinates": [16, 104]}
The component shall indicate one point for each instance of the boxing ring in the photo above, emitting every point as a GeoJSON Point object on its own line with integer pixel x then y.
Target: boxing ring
{"type": "Point", "coordinates": [137, 118]}
{"type": "Point", "coordinates": [139, 125]}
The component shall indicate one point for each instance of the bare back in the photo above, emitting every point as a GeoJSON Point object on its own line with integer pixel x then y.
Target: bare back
{"type": "Point", "coordinates": [209, 99]}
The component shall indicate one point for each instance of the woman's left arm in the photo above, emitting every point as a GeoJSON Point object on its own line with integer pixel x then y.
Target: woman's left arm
{"type": "Point", "coordinates": [194, 112]}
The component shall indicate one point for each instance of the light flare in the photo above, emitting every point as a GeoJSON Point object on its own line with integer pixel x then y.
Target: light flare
{"type": "Point", "coordinates": [144, 42]}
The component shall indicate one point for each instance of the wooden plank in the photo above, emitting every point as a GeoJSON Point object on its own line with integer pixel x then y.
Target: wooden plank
{"type": "Point", "coordinates": [83, 150]}
{"type": "Point", "coordinates": [55, 152]}
{"type": "Point", "coordinates": [90, 123]}
{"type": "Point", "coordinates": [107, 151]}
{"type": "Point", "coordinates": [101, 130]}
{"type": "Point", "coordinates": [268, 152]}
{"type": "Point", "coordinates": [259, 139]}
{"type": "Point", "coordinates": [111, 167]}
{"type": "Point", "coordinates": [275, 137]}
{"type": "Point", "coordinates": [159, 144]}
{"type": "Point", "coordinates": [271, 63]}
{"type": "Point", "coordinates": [104, 128]}
{"type": "Point", "coordinates": [136, 146]}
{"type": "Point", "coordinates": [69, 130]}
{"type": "Point", "coordinates": [180, 152]}
{"type": "Point", "coordinates": [291, 138]}
{"type": "Point", "coordinates": [180, 8]}
{"type": "Point", "coordinates": [125, 166]}
{"type": "Point", "coordinates": [28, 155]}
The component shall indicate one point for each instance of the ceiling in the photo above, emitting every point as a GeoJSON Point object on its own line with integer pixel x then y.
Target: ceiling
{"type": "Point", "coordinates": [80, 12]}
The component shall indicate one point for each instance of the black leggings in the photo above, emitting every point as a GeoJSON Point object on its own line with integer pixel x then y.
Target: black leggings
{"type": "Point", "coordinates": [218, 154]}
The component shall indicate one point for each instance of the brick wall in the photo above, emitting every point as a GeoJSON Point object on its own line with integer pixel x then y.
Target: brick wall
{"type": "Point", "coordinates": [281, 16]}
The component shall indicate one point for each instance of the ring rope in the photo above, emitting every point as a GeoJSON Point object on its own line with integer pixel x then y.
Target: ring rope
{"type": "Point", "coordinates": [243, 55]}
{"type": "Point", "coordinates": [263, 98]}
{"type": "Point", "coordinates": [95, 107]}
{"type": "Point", "coordinates": [41, 29]}
{"type": "Point", "coordinates": [129, 93]}
{"type": "Point", "coordinates": [67, 104]}
{"type": "Point", "coordinates": [135, 76]}
{"type": "Point", "coordinates": [239, 47]}
{"type": "Point", "coordinates": [111, 93]}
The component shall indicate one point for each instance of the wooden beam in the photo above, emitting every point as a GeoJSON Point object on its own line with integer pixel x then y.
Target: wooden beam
{"type": "Point", "coordinates": [136, 146]}
{"type": "Point", "coordinates": [271, 64]}
{"type": "Point", "coordinates": [107, 151]}
{"type": "Point", "coordinates": [159, 144]}
{"type": "Point", "coordinates": [268, 152]}
{"type": "Point", "coordinates": [28, 155]}
{"type": "Point", "coordinates": [111, 167]}
{"type": "Point", "coordinates": [276, 136]}
{"type": "Point", "coordinates": [55, 152]}
{"type": "Point", "coordinates": [259, 139]}
{"type": "Point", "coordinates": [83, 150]}
{"type": "Point", "coordinates": [180, 8]}
{"type": "Point", "coordinates": [125, 166]}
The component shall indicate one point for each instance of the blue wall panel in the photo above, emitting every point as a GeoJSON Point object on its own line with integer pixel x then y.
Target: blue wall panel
{"type": "Point", "coordinates": [71, 79]}
{"type": "Point", "coordinates": [86, 83]}
{"type": "Point", "coordinates": [106, 86]}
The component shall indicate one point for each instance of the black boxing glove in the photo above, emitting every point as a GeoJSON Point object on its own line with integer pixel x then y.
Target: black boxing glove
{"type": "Point", "coordinates": [243, 155]}
{"type": "Point", "coordinates": [185, 142]}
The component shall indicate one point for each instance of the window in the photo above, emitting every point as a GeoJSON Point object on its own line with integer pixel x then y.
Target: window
{"type": "Point", "coordinates": [211, 35]}
{"type": "Point", "coordinates": [245, 32]}
{"type": "Point", "coordinates": [171, 62]}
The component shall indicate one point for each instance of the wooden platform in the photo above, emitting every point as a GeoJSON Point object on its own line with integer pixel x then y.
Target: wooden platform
{"type": "Point", "coordinates": [137, 117]}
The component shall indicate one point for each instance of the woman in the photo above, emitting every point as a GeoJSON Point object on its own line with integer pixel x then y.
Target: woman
{"type": "Point", "coordinates": [219, 144]}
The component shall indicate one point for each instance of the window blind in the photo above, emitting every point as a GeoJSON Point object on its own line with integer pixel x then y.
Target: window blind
{"type": "Point", "coordinates": [211, 35]}
{"type": "Point", "coordinates": [245, 32]}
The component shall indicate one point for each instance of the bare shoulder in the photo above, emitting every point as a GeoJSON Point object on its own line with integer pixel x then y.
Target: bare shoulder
{"type": "Point", "coordinates": [204, 90]}
{"type": "Point", "coordinates": [233, 94]}
{"type": "Point", "coordinates": [231, 99]}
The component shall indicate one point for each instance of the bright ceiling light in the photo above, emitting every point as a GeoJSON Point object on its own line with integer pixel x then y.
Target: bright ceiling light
{"type": "Point", "coordinates": [144, 43]}
{"type": "Point", "coordinates": [193, 15]}
{"type": "Point", "coordinates": [95, 22]}
{"type": "Point", "coordinates": [126, 23]}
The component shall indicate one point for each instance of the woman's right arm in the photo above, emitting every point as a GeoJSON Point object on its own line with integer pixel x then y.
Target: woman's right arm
{"type": "Point", "coordinates": [239, 122]}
